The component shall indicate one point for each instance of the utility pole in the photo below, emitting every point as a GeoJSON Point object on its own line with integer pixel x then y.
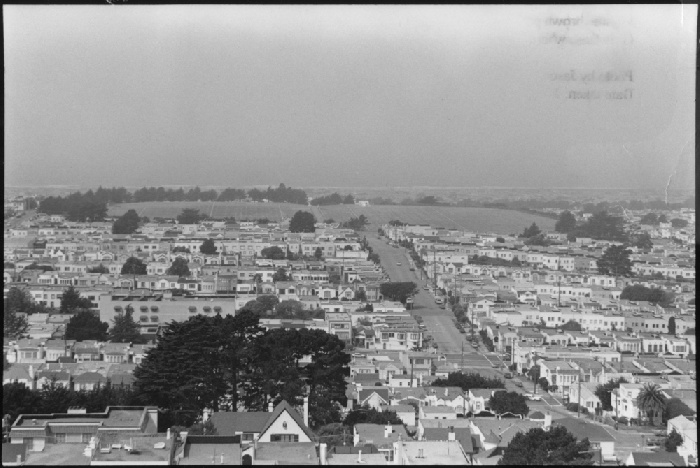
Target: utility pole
{"type": "Point", "coordinates": [578, 406]}
{"type": "Point", "coordinates": [462, 362]}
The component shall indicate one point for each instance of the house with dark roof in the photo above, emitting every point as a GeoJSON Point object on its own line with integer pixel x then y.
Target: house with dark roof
{"type": "Point", "coordinates": [374, 397]}
{"type": "Point", "coordinates": [281, 424]}
{"type": "Point", "coordinates": [597, 435]}
{"type": "Point", "coordinates": [660, 458]}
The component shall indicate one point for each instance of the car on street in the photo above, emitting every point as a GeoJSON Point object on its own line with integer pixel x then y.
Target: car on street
{"type": "Point", "coordinates": [508, 375]}
{"type": "Point", "coordinates": [518, 383]}
{"type": "Point", "coordinates": [398, 263]}
{"type": "Point", "coordinates": [475, 346]}
{"type": "Point", "coordinates": [496, 366]}
{"type": "Point", "coordinates": [533, 397]}
{"type": "Point", "coordinates": [427, 288]}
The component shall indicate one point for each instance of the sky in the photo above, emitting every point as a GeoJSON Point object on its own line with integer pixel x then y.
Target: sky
{"type": "Point", "coordinates": [585, 96]}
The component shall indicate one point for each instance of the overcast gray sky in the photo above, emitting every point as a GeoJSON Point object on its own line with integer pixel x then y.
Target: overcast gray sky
{"type": "Point", "coordinates": [546, 96]}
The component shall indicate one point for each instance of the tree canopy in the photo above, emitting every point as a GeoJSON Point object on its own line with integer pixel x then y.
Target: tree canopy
{"type": "Point", "coordinates": [280, 275]}
{"type": "Point", "coordinates": [398, 291]}
{"type": "Point", "coordinates": [556, 446]}
{"type": "Point", "coordinates": [615, 261]}
{"type": "Point", "coordinates": [357, 223]}
{"type": "Point", "coordinates": [333, 199]}
{"type": "Point", "coordinates": [531, 231]}
{"type": "Point", "coordinates": [638, 292]}
{"type": "Point", "coordinates": [468, 381]}
{"type": "Point", "coordinates": [509, 402]}
{"type": "Point", "coordinates": [602, 226]}
{"type": "Point", "coordinates": [604, 391]}
{"type": "Point", "coordinates": [566, 222]}
{"type": "Point", "coordinates": [71, 301]}
{"type": "Point", "coordinates": [370, 416]}
{"type": "Point", "coordinates": [302, 221]}
{"type": "Point", "coordinates": [673, 441]}
{"type": "Point", "coordinates": [179, 268]}
{"type": "Point", "coordinates": [86, 326]}
{"type": "Point", "coordinates": [98, 269]}
{"type": "Point", "coordinates": [273, 253]}
{"type": "Point", "coordinates": [133, 266]}
{"type": "Point", "coordinates": [127, 223]}
{"type": "Point", "coordinates": [208, 247]}
{"type": "Point", "coordinates": [125, 330]}
{"type": "Point", "coordinates": [679, 223]}
{"type": "Point", "coordinates": [213, 362]}
{"type": "Point", "coordinates": [571, 325]}
{"type": "Point", "coordinates": [190, 216]}
{"type": "Point", "coordinates": [16, 325]}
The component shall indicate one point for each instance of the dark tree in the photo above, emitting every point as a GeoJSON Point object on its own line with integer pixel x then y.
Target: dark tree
{"type": "Point", "coordinates": [673, 441]}
{"type": "Point", "coordinates": [125, 330]}
{"type": "Point", "coordinates": [318, 253]}
{"type": "Point", "coordinates": [672, 326]}
{"type": "Point", "coordinates": [532, 231]}
{"type": "Point", "coordinates": [398, 291]}
{"type": "Point", "coordinates": [128, 223]}
{"type": "Point", "coordinates": [679, 223]}
{"type": "Point", "coordinates": [86, 326]}
{"type": "Point", "coordinates": [468, 381]}
{"type": "Point", "coordinates": [133, 266]}
{"type": "Point", "coordinates": [180, 249]}
{"type": "Point", "coordinates": [603, 226]}
{"type": "Point", "coordinates": [369, 415]}
{"type": "Point", "coordinates": [676, 407]}
{"type": "Point", "coordinates": [99, 269]}
{"type": "Point", "coordinates": [302, 221]}
{"type": "Point", "coordinates": [650, 219]}
{"type": "Point", "coordinates": [604, 391]}
{"type": "Point", "coordinates": [18, 399]}
{"type": "Point", "coordinates": [571, 325]}
{"type": "Point", "coordinates": [638, 292]}
{"type": "Point", "coordinates": [642, 241]}
{"type": "Point", "coordinates": [262, 304]}
{"type": "Point", "coordinates": [509, 402]}
{"type": "Point", "coordinates": [208, 247]}
{"type": "Point", "coordinates": [273, 253]}
{"type": "Point", "coordinates": [615, 261]}
{"type": "Point", "coordinates": [179, 268]}
{"type": "Point", "coordinates": [17, 301]}
{"type": "Point", "coordinates": [556, 446]}
{"type": "Point", "coordinates": [71, 301]}
{"type": "Point", "coordinates": [290, 309]}
{"type": "Point", "coordinates": [189, 216]}
{"type": "Point", "coordinates": [566, 222]}
{"type": "Point", "coordinates": [280, 275]}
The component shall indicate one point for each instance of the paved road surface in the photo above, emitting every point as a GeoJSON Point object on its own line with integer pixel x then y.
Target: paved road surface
{"type": "Point", "coordinates": [438, 321]}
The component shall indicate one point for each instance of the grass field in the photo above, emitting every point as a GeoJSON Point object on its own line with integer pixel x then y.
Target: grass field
{"type": "Point", "coordinates": [470, 219]}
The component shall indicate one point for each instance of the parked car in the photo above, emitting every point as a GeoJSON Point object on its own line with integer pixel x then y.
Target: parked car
{"type": "Point", "coordinates": [518, 383]}
{"type": "Point", "coordinates": [398, 263]}
{"type": "Point", "coordinates": [508, 375]}
{"type": "Point", "coordinates": [533, 397]}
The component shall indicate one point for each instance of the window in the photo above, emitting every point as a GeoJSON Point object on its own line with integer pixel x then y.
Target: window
{"type": "Point", "coordinates": [60, 438]}
{"type": "Point", "coordinates": [143, 318]}
{"type": "Point", "coordinates": [247, 437]}
{"type": "Point", "coordinates": [217, 309]}
{"type": "Point", "coordinates": [193, 309]}
{"type": "Point", "coordinates": [154, 309]}
{"type": "Point", "coordinates": [284, 438]}
{"type": "Point", "coordinates": [154, 318]}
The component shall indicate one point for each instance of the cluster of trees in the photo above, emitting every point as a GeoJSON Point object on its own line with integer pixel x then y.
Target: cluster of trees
{"type": "Point", "coordinates": [75, 207]}
{"type": "Point", "coordinates": [556, 446]}
{"type": "Point", "coordinates": [571, 325]}
{"type": "Point", "coordinates": [273, 253]}
{"type": "Point", "coordinates": [357, 224]}
{"type": "Point", "coordinates": [159, 194]}
{"type": "Point", "coordinates": [486, 260]}
{"type": "Point", "coordinates": [333, 199]}
{"type": "Point", "coordinates": [302, 221]}
{"type": "Point", "coordinates": [486, 340]}
{"type": "Point", "coordinates": [533, 235]}
{"type": "Point", "coordinates": [128, 223]}
{"type": "Point", "coordinates": [509, 402]}
{"type": "Point", "coordinates": [638, 292]}
{"type": "Point", "coordinates": [653, 219]}
{"type": "Point", "coordinates": [399, 291]}
{"type": "Point", "coordinates": [599, 226]}
{"type": "Point", "coordinates": [281, 194]}
{"type": "Point", "coordinates": [270, 306]}
{"type": "Point", "coordinates": [190, 216]}
{"type": "Point", "coordinates": [231, 363]}
{"type": "Point", "coordinates": [615, 261]}
{"type": "Point", "coordinates": [469, 381]}
{"type": "Point", "coordinates": [15, 323]}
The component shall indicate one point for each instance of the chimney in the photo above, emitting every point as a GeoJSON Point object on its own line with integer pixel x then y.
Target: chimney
{"type": "Point", "coordinates": [388, 430]}
{"type": "Point", "coordinates": [306, 411]}
{"type": "Point", "coordinates": [270, 408]}
{"type": "Point", "coordinates": [167, 434]}
{"type": "Point", "coordinates": [322, 453]}
{"type": "Point", "coordinates": [31, 372]}
{"type": "Point", "coordinates": [451, 434]}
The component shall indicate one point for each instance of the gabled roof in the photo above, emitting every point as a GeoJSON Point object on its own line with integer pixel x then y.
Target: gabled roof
{"type": "Point", "coordinates": [281, 408]}
{"type": "Point", "coordinates": [228, 423]}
